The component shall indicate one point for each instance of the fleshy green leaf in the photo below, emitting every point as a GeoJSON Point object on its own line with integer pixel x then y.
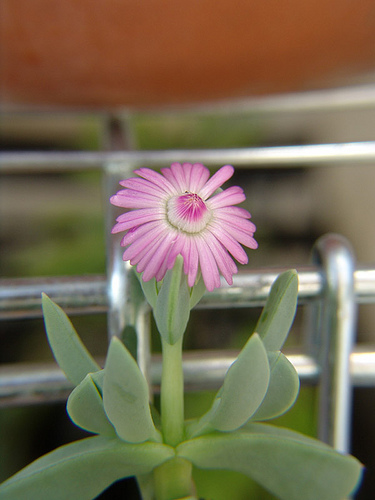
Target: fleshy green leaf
{"type": "Point", "coordinates": [289, 466]}
{"type": "Point", "coordinates": [98, 379]}
{"type": "Point", "coordinates": [172, 309]}
{"type": "Point", "coordinates": [126, 396]}
{"type": "Point", "coordinates": [149, 288]}
{"type": "Point", "coordinates": [282, 390]}
{"type": "Point", "coordinates": [83, 469]}
{"type": "Point", "coordinates": [70, 353]}
{"type": "Point", "coordinates": [273, 430]}
{"type": "Point", "coordinates": [243, 390]}
{"type": "Point", "coordinates": [85, 408]}
{"type": "Point", "coordinates": [278, 313]}
{"type": "Point", "coordinates": [197, 291]}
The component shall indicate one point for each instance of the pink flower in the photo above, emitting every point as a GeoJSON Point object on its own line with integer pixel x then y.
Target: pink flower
{"type": "Point", "coordinates": [182, 211]}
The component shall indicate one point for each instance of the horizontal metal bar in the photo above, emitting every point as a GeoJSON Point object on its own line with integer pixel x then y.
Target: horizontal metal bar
{"type": "Point", "coordinates": [22, 384]}
{"type": "Point", "coordinates": [21, 298]}
{"type": "Point", "coordinates": [290, 156]}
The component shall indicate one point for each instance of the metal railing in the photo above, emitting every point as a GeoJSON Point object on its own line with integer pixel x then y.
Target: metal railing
{"type": "Point", "coordinates": [332, 286]}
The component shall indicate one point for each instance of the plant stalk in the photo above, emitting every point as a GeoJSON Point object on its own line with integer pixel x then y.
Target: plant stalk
{"type": "Point", "coordinates": [173, 481]}
{"type": "Point", "coordinates": [172, 394]}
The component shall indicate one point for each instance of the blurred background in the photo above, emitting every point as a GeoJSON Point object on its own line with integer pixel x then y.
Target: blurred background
{"type": "Point", "coordinates": [116, 74]}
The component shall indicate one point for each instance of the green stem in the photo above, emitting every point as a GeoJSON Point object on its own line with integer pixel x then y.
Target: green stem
{"type": "Point", "coordinates": [172, 394]}
{"type": "Point", "coordinates": [172, 480]}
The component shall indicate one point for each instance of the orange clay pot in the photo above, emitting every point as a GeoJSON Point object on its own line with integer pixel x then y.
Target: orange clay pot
{"type": "Point", "coordinates": [100, 53]}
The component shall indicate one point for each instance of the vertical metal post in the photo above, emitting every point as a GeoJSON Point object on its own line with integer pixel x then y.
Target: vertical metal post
{"type": "Point", "coordinates": [335, 339]}
{"type": "Point", "coordinates": [128, 312]}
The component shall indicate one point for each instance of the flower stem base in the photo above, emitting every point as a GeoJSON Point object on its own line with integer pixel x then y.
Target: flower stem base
{"type": "Point", "coordinates": [173, 480]}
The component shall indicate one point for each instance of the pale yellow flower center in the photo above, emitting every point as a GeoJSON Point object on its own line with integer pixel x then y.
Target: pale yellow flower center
{"type": "Point", "coordinates": [188, 213]}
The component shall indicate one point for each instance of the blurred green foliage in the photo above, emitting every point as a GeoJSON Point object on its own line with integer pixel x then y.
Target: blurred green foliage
{"type": "Point", "coordinates": [188, 130]}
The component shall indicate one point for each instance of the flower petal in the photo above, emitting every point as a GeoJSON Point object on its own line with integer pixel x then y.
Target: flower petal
{"type": "Point", "coordinates": [233, 247]}
{"type": "Point", "coordinates": [237, 211]}
{"type": "Point", "coordinates": [230, 196]}
{"type": "Point", "coordinates": [159, 254]}
{"type": "Point", "coordinates": [187, 169]}
{"type": "Point", "coordinates": [142, 245]}
{"type": "Point", "coordinates": [243, 237]}
{"type": "Point", "coordinates": [128, 198]}
{"type": "Point", "coordinates": [145, 186]}
{"type": "Point", "coordinates": [145, 256]}
{"type": "Point", "coordinates": [156, 178]}
{"type": "Point", "coordinates": [198, 177]}
{"type": "Point", "coordinates": [136, 218]}
{"type": "Point", "coordinates": [217, 180]}
{"type": "Point", "coordinates": [225, 263]}
{"type": "Point", "coordinates": [175, 176]}
{"type": "Point", "coordinates": [241, 223]}
{"type": "Point", "coordinates": [208, 266]}
{"type": "Point", "coordinates": [137, 232]}
{"type": "Point", "coordinates": [190, 254]}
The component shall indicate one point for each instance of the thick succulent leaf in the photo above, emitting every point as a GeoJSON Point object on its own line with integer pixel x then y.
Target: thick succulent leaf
{"type": "Point", "coordinates": [98, 379]}
{"type": "Point", "coordinates": [172, 309]}
{"type": "Point", "coordinates": [273, 430]}
{"type": "Point", "coordinates": [243, 390]}
{"type": "Point", "coordinates": [70, 353]}
{"type": "Point", "coordinates": [278, 313]}
{"type": "Point", "coordinates": [197, 292]}
{"type": "Point", "coordinates": [282, 390]}
{"type": "Point", "coordinates": [289, 466]}
{"type": "Point", "coordinates": [244, 387]}
{"type": "Point", "coordinates": [85, 408]}
{"type": "Point", "coordinates": [83, 469]}
{"type": "Point", "coordinates": [126, 396]}
{"type": "Point", "coordinates": [149, 288]}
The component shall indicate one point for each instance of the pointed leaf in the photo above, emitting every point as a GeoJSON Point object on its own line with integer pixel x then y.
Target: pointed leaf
{"type": "Point", "coordinates": [83, 469]}
{"type": "Point", "coordinates": [197, 291]}
{"type": "Point", "coordinates": [243, 390]}
{"type": "Point", "coordinates": [288, 466]}
{"type": "Point", "coordinates": [278, 313]}
{"type": "Point", "coordinates": [98, 379]}
{"type": "Point", "coordinates": [70, 353]}
{"type": "Point", "coordinates": [85, 408]}
{"type": "Point", "coordinates": [172, 309]}
{"type": "Point", "coordinates": [282, 390]}
{"type": "Point", "coordinates": [126, 396]}
{"type": "Point", "coordinates": [244, 387]}
{"type": "Point", "coordinates": [149, 288]}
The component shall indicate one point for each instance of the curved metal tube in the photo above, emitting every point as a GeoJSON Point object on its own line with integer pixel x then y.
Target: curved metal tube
{"type": "Point", "coordinates": [335, 339]}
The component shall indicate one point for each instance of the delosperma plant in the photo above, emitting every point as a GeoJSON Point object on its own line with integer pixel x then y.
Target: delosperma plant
{"type": "Point", "coordinates": [181, 232]}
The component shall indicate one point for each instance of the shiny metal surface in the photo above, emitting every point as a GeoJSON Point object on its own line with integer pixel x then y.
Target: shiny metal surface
{"type": "Point", "coordinates": [128, 312]}
{"type": "Point", "coordinates": [22, 384]}
{"type": "Point", "coordinates": [20, 298]}
{"type": "Point", "coordinates": [121, 161]}
{"type": "Point", "coordinates": [335, 339]}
